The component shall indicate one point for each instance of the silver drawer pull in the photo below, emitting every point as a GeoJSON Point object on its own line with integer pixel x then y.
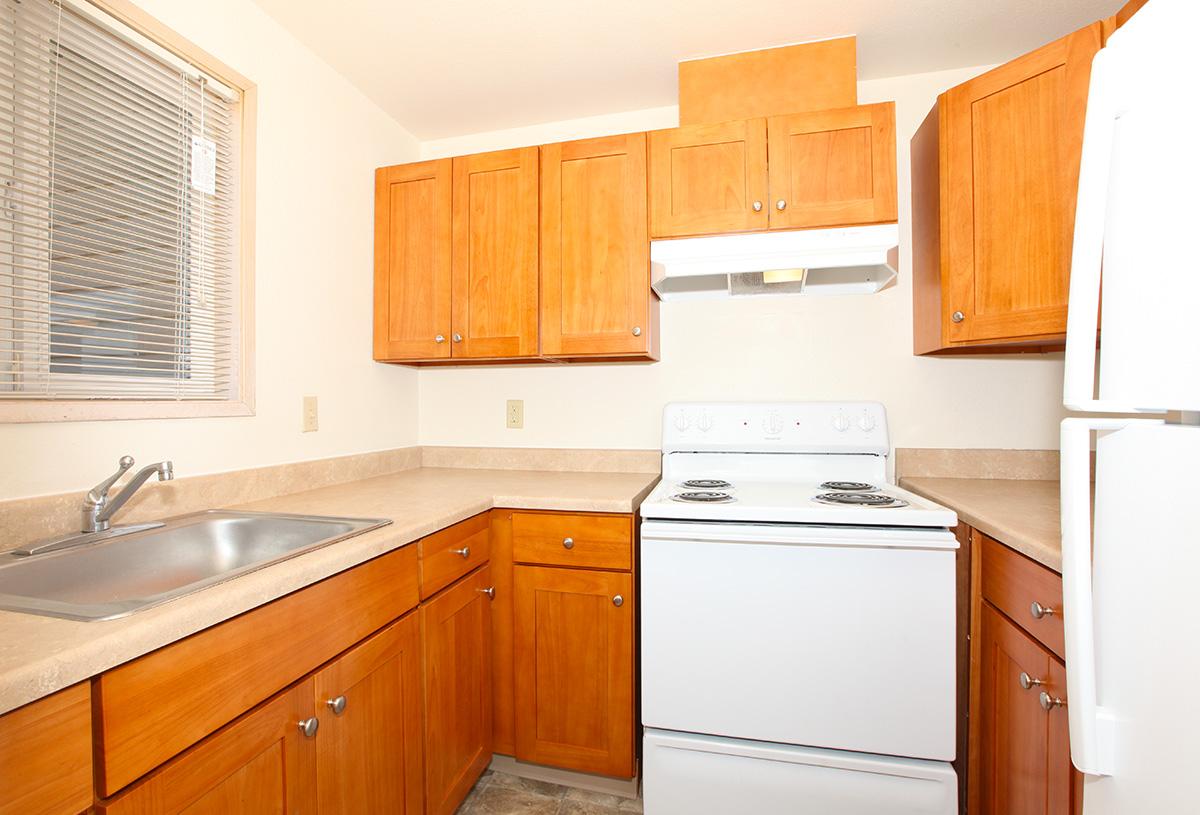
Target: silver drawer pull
{"type": "Point", "coordinates": [1049, 702]}
{"type": "Point", "coordinates": [490, 591]}
{"type": "Point", "coordinates": [618, 601]}
{"type": "Point", "coordinates": [337, 704]}
{"type": "Point", "coordinates": [1028, 681]}
{"type": "Point", "coordinates": [465, 551]}
{"type": "Point", "coordinates": [309, 726]}
{"type": "Point", "coordinates": [1039, 611]}
{"type": "Point", "coordinates": [568, 543]}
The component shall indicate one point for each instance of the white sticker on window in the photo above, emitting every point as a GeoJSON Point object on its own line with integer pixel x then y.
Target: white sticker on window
{"type": "Point", "coordinates": [204, 165]}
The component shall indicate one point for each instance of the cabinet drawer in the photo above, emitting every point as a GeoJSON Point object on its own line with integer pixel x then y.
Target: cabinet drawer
{"type": "Point", "coordinates": [46, 754]}
{"type": "Point", "coordinates": [1013, 583]}
{"type": "Point", "coordinates": [591, 541]}
{"type": "Point", "coordinates": [453, 552]}
{"type": "Point", "coordinates": [152, 708]}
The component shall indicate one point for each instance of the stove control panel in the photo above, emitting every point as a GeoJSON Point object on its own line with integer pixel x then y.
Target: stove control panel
{"type": "Point", "coordinates": [842, 427]}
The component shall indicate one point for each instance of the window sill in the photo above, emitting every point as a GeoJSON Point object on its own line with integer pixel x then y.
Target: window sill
{"type": "Point", "coordinates": [99, 410]}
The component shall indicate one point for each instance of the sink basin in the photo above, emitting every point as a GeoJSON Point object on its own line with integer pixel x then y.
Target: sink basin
{"type": "Point", "coordinates": [101, 578]}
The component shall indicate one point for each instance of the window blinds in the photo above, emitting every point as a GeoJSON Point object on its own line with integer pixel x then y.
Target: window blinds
{"type": "Point", "coordinates": [118, 215]}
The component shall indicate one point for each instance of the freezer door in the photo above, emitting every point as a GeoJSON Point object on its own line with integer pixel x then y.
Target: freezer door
{"type": "Point", "coordinates": [1135, 664]}
{"type": "Point", "coordinates": [1136, 218]}
{"type": "Point", "coordinates": [686, 774]}
{"type": "Point", "coordinates": [800, 638]}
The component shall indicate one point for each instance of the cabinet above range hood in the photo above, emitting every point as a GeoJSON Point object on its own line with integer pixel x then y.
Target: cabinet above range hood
{"type": "Point", "coordinates": [845, 260]}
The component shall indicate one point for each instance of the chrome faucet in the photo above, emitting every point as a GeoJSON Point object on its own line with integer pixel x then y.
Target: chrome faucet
{"type": "Point", "coordinates": [98, 508]}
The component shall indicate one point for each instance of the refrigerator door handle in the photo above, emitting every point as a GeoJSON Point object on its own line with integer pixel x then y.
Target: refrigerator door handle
{"type": "Point", "coordinates": [1091, 726]}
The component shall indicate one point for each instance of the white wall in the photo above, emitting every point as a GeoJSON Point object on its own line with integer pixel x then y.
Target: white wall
{"type": "Point", "coordinates": [769, 349]}
{"type": "Point", "coordinates": [319, 141]}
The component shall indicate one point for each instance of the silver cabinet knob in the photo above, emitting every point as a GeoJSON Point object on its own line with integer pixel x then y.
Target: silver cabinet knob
{"type": "Point", "coordinates": [637, 331]}
{"type": "Point", "coordinates": [618, 601]}
{"type": "Point", "coordinates": [309, 726]}
{"type": "Point", "coordinates": [1028, 681]}
{"type": "Point", "coordinates": [337, 704]}
{"type": "Point", "coordinates": [756, 206]}
{"type": "Point", "coordinates": [1049, 702]}
{"type": "Point", "coordinates": [568, 543]}
{"type": "Point", "coordinates": [781, 205]}
{"type": "Point", "coordinates": [457, 337]}
{"type": "Point", "coordinates": [1039, 611]}
{"type": "Point", "coordinates": [490, 591]}
{"type": "Point", "coordinates": [440, 338]}
{"type": "Point", "coordinates": [958, 316]}
{"type": "Point", "coordinates": [465, 552]}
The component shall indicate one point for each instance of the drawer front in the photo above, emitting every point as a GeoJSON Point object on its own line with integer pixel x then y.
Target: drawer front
{"type": "Point", "coordinates": [589, 541]}
{"type": "Point", "coordinates": [453, 552]}
{"type": "Point", "coordinates": [152, 708]}
{"type": "Point", "coordinates": [46, 755]}
{"type": "Point", "coordinates": [1013, 583]}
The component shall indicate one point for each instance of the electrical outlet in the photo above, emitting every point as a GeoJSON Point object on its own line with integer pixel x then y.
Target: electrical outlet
{"type": "Point", "coordinates": [309, 421]}
{"type": "Point", "coordinates": [514, 414]}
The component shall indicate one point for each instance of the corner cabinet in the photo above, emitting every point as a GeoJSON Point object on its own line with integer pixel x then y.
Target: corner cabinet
{"type": "Point", "coordinates": [995, 168]}
{"type": "Point", "coordinates": [806, 170]}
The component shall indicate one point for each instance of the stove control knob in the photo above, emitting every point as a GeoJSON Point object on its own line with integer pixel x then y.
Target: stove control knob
{"type": "Point", "coordinates": [704, 423]}
{"type": "Point", "coordinates": [682, 422]}
{"type": "Point", "coordinates": [840, 423]}
{"type": "Point", "coordinates": [772, 424]}
{"type": "Point", "coordinates": [867, 422]}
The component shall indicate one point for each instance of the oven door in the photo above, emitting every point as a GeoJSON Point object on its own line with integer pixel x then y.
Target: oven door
{"type": "Point", "coordinates": [833, 637]}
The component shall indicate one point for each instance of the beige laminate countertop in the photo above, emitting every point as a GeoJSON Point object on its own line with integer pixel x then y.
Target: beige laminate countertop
{"type": "Point", "coordinates": [40, 655]}
{"type": "Point", "coordinates": [1023, 515]}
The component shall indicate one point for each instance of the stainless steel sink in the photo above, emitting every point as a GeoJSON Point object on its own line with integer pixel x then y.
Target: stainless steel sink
{"type": "Point", "coordinates": [102, 577]}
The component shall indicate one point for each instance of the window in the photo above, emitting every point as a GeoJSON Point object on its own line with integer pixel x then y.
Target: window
{"type": "Point", "coordinates": [120, 272]}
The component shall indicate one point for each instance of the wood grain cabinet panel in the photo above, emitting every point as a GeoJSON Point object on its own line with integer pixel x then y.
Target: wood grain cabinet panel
{"type": "Point", "coordinates": [457, 630]}
{"type": "Point", "coordinates": [260, 763]}
{"type": "Point", "coordinates": [706, 179]}
{"type": "Point", "coordinates": [451, 553]}
{"type": "Point", "coordinates": [495, 255]}
{"type": "Point", "coordinates": [596, 297]}
{"type": "Point", "coordinates": [1013, 583]}
{"type": "Point", "coordinates": [569, 539]}
{"type": "Point", "coordinates": [412, 261]}
{"type": "Point", "coordinates": [833, 167]}
{"type": "Point", "coordinates": [995, 171]}
{"type": "Point", "coordinates": [369, 755]}
{"type": "Point", "coordinates": [1023, 747]}
{"type": "Point", "coordinates": [46, 755]}
{"type": "Point", "coordinates": [573, 666]}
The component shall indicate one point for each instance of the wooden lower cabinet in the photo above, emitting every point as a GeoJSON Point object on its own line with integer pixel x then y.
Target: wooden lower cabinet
{"type": "Point", "coordinates": [457, 632]}
{"type": "Point", "coordinates": [1024, 748]}
{"type": "Point", "coordinates": [46, 755]}
{"type": "Point", "coordinates": [573, 666]}
{"type": "Point", "coordinates": [369, 751]}
{"type": "Point", "coordinates": [260, 763]}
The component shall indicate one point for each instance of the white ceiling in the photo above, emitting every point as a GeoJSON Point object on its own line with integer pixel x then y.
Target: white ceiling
{"type": "Point", "coordinates": [465, 66]}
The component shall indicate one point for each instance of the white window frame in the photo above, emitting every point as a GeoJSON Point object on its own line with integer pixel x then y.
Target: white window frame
{"type": "Point", "coordinates": [242, 402]}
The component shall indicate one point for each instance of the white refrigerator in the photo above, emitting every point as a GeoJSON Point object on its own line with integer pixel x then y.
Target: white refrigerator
{"type": "Point", "coordinates": [1131, 561]}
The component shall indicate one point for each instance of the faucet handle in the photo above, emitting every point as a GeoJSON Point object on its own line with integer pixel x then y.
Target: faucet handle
{"type": "Point", "coordinates": [99, 493]}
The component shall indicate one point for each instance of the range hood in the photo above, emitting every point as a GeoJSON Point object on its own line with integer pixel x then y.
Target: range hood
{"type": "Point", "coordinates": [846, 260]}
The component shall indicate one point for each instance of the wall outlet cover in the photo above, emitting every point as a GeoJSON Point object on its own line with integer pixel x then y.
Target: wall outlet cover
{"type": "Point", "coordinates": [514, 414]}
{"type": "Point", "coordinates": [309, 420]}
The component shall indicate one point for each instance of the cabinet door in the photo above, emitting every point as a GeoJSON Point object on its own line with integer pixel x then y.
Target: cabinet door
{"type": "Point", "coordinates": [573, 665]}
{"type": "Point", "coordinates": [496, 254]}
{"type": "Point", "coordinates": [833, 167]}
{"type": "Point", "coordinates": [369, 753]}
{"type": "Point", "coordinates": [596, 296]}
{"type": "Point", "coordinates": [708, 179]}
{"type": "Point", "coordinates": [457, 630]}
{"type": "Point", "coordinates": [1023, 747]}
{"type": "Point", "coordinates": [46, 754]}
{"type": "Point", "coordinates": [412, 261]}
{"type": "Point", "coordinates": [259, 763]}
{"type": "Point", "coordinates": [1011, 144]}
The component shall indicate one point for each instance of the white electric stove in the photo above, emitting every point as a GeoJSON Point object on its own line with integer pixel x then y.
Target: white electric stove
{"type": "Point", "coordinates": [797, 622]}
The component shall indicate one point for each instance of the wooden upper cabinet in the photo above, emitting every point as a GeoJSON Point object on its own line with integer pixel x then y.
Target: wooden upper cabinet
{"type": "Point", "coordinates": [573, 668]}
{"type": "Point", "coordinates": [495, 255]}
{"type": "Point", "coordinates": [596, 298]}
{"type": "Point", "coordinates": [995, 172]}
{"type": "Point", "coordinates": [412, 261]}
{"type": "Point", "coordinates": [1024, 752]}
{"type": "Point", "coordinates": [457, 629]}
{"type": "Point", "coordinates": [833, 167]}
{"type": "Point", "coordinates": [369, 749]}
{"type": "Point", "coordinates": [708, 179]}
{"type": "Point", "coordinates": [46, 755]}
{"type": "Point", "coordinates": [260, 763]}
